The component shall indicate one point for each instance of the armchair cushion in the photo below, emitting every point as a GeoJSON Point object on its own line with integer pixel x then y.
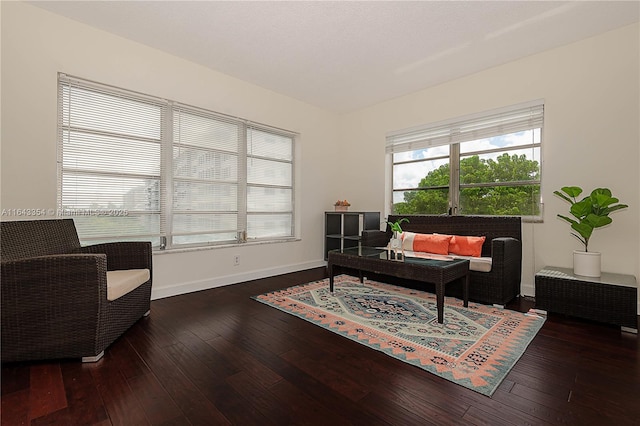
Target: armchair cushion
{"type": "Point", "coordinates": [123, 281]}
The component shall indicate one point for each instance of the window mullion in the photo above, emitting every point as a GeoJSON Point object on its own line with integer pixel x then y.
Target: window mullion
{"type": "Point", "coordinates": [454, 179]}
{"type": "Point", "coordinates": [243, 149]}
{"type": "Point", "coordinates": [166, 176]}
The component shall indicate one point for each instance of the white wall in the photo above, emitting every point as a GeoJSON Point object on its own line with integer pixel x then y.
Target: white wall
{"type": "Point", "coordinates": [36, 45]}
{"type": "Point", "coordinates": [591, 139]}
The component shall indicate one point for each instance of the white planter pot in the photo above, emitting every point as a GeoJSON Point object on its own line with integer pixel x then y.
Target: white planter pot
{"type": "Point", "coordinates": [586, 263]}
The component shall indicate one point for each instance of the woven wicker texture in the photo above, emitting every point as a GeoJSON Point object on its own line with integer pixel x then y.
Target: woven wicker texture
{"type": "Point", "coordinates": [589, 299]}
{"type": "Point", "coordinates": [503, 244]}
{"type": "Point", "coordinates": [54, 292]}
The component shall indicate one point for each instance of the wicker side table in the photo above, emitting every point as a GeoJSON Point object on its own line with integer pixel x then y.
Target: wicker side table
{"type": "Point", "coordinates": [611, 298]}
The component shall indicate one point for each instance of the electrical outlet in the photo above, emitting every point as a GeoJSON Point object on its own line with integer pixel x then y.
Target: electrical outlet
{"type": "Point", "coordinates": [236, 260]}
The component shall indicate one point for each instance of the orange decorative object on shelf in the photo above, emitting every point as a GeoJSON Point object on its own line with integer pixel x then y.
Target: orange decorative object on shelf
{"type": "Point", "coordinates": [342, 205]}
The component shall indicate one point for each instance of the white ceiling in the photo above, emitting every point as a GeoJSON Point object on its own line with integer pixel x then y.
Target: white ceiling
{"type": "Point", "coordinates": [346, 55]}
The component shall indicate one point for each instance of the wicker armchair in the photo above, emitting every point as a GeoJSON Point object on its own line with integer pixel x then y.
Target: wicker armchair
{"type": "Point", "coordinates": [503, 244]}
{"type": "Point", "coordinates": [55, 293]}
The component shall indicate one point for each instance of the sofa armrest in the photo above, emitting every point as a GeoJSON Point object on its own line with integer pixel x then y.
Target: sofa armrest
{"type": "Point", "coordinates": [374, 238]}
{"type": "Point", "coordinates": [123, 255]}
{"type": "Point", "coordinates": [505, 249]}
{"type": "Point", "coordinates": [506, 253]}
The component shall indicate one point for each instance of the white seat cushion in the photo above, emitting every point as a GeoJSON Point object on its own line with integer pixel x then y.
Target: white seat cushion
{"type": "Point", "coordinates": [122, 282]}
{"type": "Point", "coordinates": [425, 255]}
{"type": "Point", "coordinates": [479, 264]}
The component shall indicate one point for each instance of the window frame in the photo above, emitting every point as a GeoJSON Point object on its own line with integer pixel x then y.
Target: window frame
{"type": "Point", "coordinates": [448, 132]}
{"type": "Point", "coordinates": [164, 238]}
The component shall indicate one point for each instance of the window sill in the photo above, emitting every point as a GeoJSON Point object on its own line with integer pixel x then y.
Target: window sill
{"type": "Point", "coordinates": [532, 219]}
{"type": "Point", "coordinates": [222, 246]}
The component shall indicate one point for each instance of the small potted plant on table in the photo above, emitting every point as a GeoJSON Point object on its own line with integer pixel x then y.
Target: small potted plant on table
{"type": "Point", "coordinates": [395, 243]}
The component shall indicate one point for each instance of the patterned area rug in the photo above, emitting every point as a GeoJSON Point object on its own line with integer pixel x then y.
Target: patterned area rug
{"type": "Point", "coordinates": [475, 347]}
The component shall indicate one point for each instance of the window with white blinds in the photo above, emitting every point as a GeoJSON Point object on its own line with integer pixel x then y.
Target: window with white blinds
{"type": "Point", "coordinates": [484, 125]}
{"type": "Point", "coordinates": [206, 151]}
{"type": "Point", "coordinates": [481, 164]}
{"type": "Point", "coordinates": [269, 184]}
{"type": "Point", "coordinates": [133, 167]}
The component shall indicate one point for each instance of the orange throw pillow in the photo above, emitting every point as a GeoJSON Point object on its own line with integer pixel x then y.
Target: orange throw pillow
{"type": "Point", "coordinates": [431, 243]}
{"type": "Point", "coordinates": [466, 246]}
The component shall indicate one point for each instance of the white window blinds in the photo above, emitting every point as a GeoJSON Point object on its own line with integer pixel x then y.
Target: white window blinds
{"type": "Point", "coordinates": [269, 183]}
{"type": "Point", "coordinates": [110, 151]}
{"type": "Point", "coordinates": [462, 129]}
{"type": "Point", "coordinates": [132, 166]}
{"type": "Point", "coordinates": [205, 177]}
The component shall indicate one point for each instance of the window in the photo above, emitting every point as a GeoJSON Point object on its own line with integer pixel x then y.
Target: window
{"type": "Point", "coordinates": [485, 164]}
{"type": "Point", "coordinates": [135, 167]}
{"type": "Point", "coordinates": [206, 179]}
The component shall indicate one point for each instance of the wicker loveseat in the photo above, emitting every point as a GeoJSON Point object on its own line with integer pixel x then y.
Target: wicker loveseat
{"type": "Point", "coordinates": [56, 302]}
{"type": "Point", "coordinates": [503, 244]}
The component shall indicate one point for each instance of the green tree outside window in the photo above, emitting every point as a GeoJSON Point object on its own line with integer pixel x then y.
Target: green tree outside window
{"type": "Point", "coordinates": [488, 187]}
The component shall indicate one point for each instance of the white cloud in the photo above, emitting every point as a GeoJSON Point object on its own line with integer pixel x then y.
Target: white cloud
{"type": "Point", "coordinates": [409, 175]}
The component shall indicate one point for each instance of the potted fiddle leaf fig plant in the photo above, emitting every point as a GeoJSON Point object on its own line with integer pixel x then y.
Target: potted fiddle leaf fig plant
{"type": "Point", "coordinates": [589, 213]}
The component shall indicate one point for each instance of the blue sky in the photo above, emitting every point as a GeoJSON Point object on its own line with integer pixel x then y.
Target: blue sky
{"type": "Point", "coordinates": [409, 175]}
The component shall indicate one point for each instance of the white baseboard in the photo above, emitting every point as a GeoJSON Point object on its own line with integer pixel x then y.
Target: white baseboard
{"type": "Point", "coordinates": [527, 289]}
{"type": "Point", "coordinates": [214, 282]}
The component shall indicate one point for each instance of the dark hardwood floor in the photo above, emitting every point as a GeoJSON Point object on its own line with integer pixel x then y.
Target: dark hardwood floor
{"type": "Point", "coordinates": [217, 357]}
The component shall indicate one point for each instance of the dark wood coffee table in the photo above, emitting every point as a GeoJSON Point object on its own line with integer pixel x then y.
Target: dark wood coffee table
{"type": "Point", "coordinates": [380, 261]}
